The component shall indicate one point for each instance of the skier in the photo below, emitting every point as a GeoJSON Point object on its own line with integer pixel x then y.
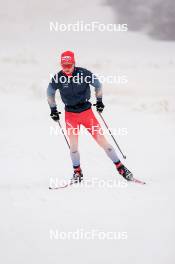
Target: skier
{"type": "Point", "coordinates": [73, 84]}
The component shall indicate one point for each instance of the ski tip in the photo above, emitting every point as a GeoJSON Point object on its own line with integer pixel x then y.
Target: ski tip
{"type": "Point", "coordinates": [138, 181]}
{"type": "Point", "coordinates": [59, 187]}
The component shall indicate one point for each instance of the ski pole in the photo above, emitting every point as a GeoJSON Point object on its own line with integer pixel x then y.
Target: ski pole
{"type": "Point", "coordinates": [63, 133]}
{"type": "Point", "coordinates": [111, 134]}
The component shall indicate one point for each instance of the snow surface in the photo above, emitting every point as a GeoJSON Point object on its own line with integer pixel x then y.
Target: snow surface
{"type": "Point", "coordinates": [30, 156]}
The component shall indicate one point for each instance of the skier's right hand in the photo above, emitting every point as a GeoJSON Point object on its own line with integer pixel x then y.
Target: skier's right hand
{"type": "Point", "coordinates": [55, 115]}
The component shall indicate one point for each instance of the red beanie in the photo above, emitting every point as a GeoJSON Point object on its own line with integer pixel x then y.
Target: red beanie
{"type": "Point", "coordinates": [67, 56]}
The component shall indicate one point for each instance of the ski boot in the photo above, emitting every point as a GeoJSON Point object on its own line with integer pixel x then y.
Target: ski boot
{"type": "Point", "coordinates": [123, 171]}
{"type": "Point", "coordinates": [77, 176]}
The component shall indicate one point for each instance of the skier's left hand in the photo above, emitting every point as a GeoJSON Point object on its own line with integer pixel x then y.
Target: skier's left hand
{"type": "Point", "coordinates": [99, 106]}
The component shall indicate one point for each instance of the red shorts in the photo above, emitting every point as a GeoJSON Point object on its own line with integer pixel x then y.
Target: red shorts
{"type": "Point", "coordinates": [85, 118]}
{"type": "Point", "coordinates": [90, 122]}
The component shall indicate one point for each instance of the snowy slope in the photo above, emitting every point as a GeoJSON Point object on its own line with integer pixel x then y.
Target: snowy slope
{"type": "Point", "coordinates": [30, 156]}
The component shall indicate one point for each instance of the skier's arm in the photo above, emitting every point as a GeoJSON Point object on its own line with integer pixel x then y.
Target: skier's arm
{"type": "Point", "coordinates": [98, 88]}
{"type": "Point", "coordinates": [51, 96]}
{"type": "Point", "coordinates": [98, 92]}
{"type": "Point", "coordinates": [51, 91]}
{"type": "Point", "coordinates": [94, 81]}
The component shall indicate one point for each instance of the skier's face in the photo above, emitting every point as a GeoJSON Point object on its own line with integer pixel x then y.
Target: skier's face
{"type": "Point", "coordinates": [68, 67]}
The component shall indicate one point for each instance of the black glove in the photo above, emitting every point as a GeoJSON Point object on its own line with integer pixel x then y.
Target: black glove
{"type": "Point", "coordinates": [99, 105]}
{"type": "Point", "coordinates": [55, 115]}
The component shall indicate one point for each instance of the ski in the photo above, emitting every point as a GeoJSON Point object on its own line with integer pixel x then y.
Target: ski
{"type": "Point", "coordinates": [137, 181]}
{"type": "Point", "coordinates": [88, 183]}
{"type": "Point", "coordinates": [59, 187]}
{"type": "Point", "coordinates": [63, 186]}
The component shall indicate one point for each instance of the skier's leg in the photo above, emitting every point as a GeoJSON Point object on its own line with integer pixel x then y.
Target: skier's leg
{"type": "Point", "coordinates": [108, 148]}
{"type": "Point", "coordinates": [74, 153]}
{"type": "Point", "coordinates": [72, 128]}
{"type": "Point", "coordinates": [94, 128]}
